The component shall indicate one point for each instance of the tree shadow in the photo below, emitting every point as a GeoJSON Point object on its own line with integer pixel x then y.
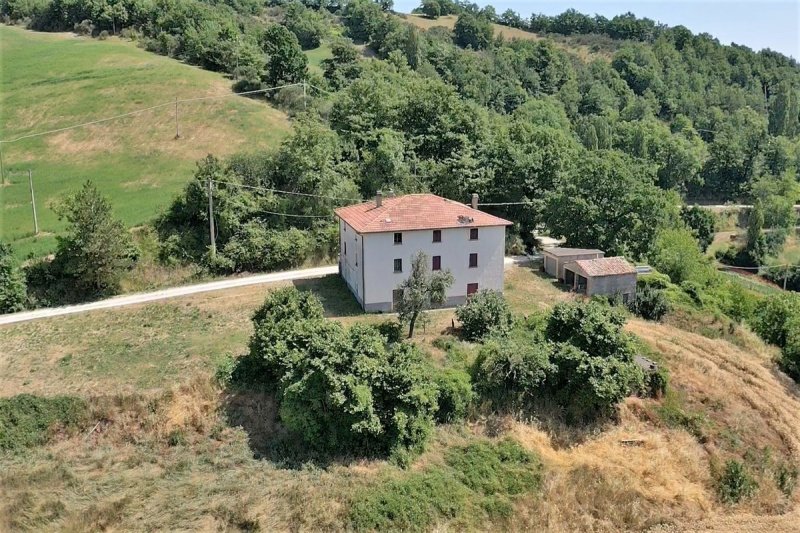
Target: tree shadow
{"type": "Point", "coordinates": [256, 413]}
{"type": "Point", "coordinates": [334, 294]}
{"type": "Point", "coordinates": [550, 279]}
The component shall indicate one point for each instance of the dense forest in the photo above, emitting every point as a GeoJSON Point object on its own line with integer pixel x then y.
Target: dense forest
{"type": "Point", "coordinates": [600, 146]}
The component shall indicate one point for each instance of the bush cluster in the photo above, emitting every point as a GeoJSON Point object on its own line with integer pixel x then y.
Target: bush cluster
{"type": "Point", "coordinates": [776, 319]}
{"type": "Point", "coordinates": [479, 480]}
{"type": "Point", "coordinates": [27, 420]}
{"type": "Point", "coordinates": [347, 391]}
{"type": "Point", "coordinates": [485, 313]}
{"type": "Point", "coordinates": [586, 365]}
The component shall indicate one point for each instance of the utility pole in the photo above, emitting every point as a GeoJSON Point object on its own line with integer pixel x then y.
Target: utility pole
{"type": "Point", "coordinates": [211, 219]}
{"type": "Point", "coordinates": [2, 168]}
{"type": "Point", "coordinates": [785, 276]}
{"type": "Point", "coordinates": [177, 128]}
{"type": "Point", "coordinates": [304, 95]}
{"type": "Point", "coordinates": [33, 203]}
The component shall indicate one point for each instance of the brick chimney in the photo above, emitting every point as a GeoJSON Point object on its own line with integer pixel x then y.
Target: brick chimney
{"type": "Point", "coordinates": [474, 200]}
{"type": "Point", "coordinates": [378, 199]}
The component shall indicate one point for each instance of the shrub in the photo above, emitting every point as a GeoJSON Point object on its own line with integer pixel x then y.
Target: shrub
{"type": "Point", "coordinates": [677, 254]}
{"type": "Point", "coordinates": [771, 316]}
{"type": "Point", "coordinates": [12, 284]}
{"type": "Point", "coordinates": [103, 35]}
{"type": "Point", "coordinates": [594, 327]}
{"type": "Point", "coordinates": [505, 468]}
{"type": "Point", "coordinates": [587, 386]}
{"type": "Point", "coordinates": [27, 420]}
{"type": "Point", "coordinates": [455, 395]}
{"type": "Point", "coordinates": [654, 280]}
{"type": "Point", "coordinates": [390, 330]}
{"type": "Point", "coordinates": [484, 313]}
{"type": "Point", "coordinates": [735, 483]}
{"type": "Point", "coordinates": [650, 303]}
{"type": "Point", "coordinates": [341, 390]}
{"type": "Point", "coordinates": [510, 372]}
{"type": "Point", "coordinates": [409, 504]}
{"type": "Point", "coordinates": [85, 27]}
{"type": "Point", "coordinates": [786, 478]}
{"type": "Point", "coordinates": [481, 475]}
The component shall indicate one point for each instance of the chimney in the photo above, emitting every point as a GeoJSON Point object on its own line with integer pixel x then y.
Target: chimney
{"type": "Point", "coordinates": [378, 199]}
{"type": "Point", "coordinates": [474, 200]}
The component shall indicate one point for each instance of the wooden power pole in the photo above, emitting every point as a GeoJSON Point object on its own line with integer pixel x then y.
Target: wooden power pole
{"type": "Point", "coordinates": [33, 203]}
{"type": "Point", "coordinates": [211, 230]}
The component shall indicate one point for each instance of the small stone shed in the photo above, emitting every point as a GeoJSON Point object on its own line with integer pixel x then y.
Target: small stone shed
{"type": "Point", "coordinates": [606, 276]}
{"type": "Point", "coordinates": [554, 259]}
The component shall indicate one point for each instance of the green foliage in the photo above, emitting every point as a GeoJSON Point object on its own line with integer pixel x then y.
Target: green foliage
{"type": "Point", "coordinates": [756, 246]}
{"type": "Point", "coordinates": [455, 394]}
{"type": "Point", "coordinates": [27, 420]}
{"type": "Point", "coordinates": [676, 254]}
{"type": "Point", "coordinates": [13, 293]}
{"type": "Point", "coordinates": [309, 26]}
{"type": "Point", "coordinates": [431, 9]}
{"type": "Point", "coordinates": [735, 483]}
{"type": "Point", "coordinates": [485, 313]}
{"type": "Point", "coordinates": [341, 390]}
{"type": "Point", "coordinates": [479, 479]}
{"type": "Point", "coordinates": [650, 303]}
{"type": "Point", "coordinates": [91, 257]}
{"type": "Point", "coordinates": [701, 222]}
{"type": "Point", "coordinates": [286, 62]}
{"type": "Point", "coordinates": [772, 317]}
{"type": "Point", "coordinates": [593, 327]}
{"type": "Point", "coordinates": [512, 372]}
{"type": "Point", "coordinates": [505, 468]}
{"type": "Point", "coordinates": [611, 204]}
{"type": "Point", "coordinates": [411, 503]}
{"type": "Point", "coordinates": [786, 478]}
{"type": "Point", "coordinates": [421, 289]}
{"type": "Point", "coordinates": [472, 31]}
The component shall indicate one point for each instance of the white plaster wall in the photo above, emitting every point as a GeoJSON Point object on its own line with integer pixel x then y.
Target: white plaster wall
{"type": "Point", "coordinates": [380, 252]}
{"type": "Point", "coordinates": [351, 263]}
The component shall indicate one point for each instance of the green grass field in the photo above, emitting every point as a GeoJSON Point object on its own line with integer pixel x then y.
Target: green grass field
{"type": "Point", "coordinates": [51, 81]}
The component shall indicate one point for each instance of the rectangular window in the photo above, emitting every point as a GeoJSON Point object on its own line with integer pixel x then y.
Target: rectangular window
{"type": "Point", "coordinates": [473, 234]}
{"type": "Point", "coordinates": [473, 260]}
{"type": "Point", "coordinates": [437, 235]}
{"type": "Point", "coordinates": [345, 248]}
{"type": "Point", "coordinates": [398, 265]}
{"type": "Point", "coordinates": [398, 238]}
{"type": "Point", "coordinates": [437, 262]}
{"type": "Point", "coordinates": [472, 288]}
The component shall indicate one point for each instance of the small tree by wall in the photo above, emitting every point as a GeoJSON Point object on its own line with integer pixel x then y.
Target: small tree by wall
{"type": "Point", "coordinates": [421, 290]}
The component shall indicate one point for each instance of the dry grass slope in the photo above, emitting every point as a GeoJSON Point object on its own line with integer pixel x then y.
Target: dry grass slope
{"type": "Point", "coordinates": [184, 455]}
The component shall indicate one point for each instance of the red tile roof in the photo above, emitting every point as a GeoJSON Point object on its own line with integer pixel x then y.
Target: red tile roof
{"type": "Point", "coordinates": [415, 212]}
{"type": "Point", "coordinates": [606, 266]}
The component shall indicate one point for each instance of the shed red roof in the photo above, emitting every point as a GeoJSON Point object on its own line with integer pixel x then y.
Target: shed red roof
{"type": "Point", "coordinates": [606, 266]}
{"type": "Point", "coordinates": [415, 212]}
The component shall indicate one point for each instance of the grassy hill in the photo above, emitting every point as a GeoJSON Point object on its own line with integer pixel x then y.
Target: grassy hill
{"type": "Point", "coordinates": [51, 81]}
{"type": "Point", "coordinates": [572, 44]}
{"type": "Point", "coordinates": [171, 451]}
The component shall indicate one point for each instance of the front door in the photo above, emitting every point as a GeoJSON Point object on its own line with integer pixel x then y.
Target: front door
{"type": "Point", "coordinates": [569, 277]}
{"type": "Point", "coordinates": [472, 288]}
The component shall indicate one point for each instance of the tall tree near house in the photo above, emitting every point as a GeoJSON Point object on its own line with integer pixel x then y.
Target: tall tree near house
{"type": "Point", "coordinates": [421, 290]}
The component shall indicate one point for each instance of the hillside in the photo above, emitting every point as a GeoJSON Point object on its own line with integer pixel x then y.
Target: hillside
{"type": "Point", "coordinates": [54, 80]}
{"type": "Point", "coordinates": [572, 46]}
{"type": "Point", "coordinates": [172, 451]}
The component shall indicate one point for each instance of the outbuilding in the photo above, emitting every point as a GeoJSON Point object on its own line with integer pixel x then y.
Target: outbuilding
{"type": "Point", "coordinates": [608, 276]}
{"type": "Point", "coordinates": [555, 258]}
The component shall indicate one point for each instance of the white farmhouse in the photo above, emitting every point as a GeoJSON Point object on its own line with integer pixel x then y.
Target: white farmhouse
{"type": "Point", "coordinates": [378, 239]}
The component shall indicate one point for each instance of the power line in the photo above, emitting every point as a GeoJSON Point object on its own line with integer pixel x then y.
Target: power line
{"type": "Point", "coordinates": [137, 111]}
{"type": "Point", "coordinates": [507, 203]}
{"type": "Point", "coordinates": [279, 191]}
